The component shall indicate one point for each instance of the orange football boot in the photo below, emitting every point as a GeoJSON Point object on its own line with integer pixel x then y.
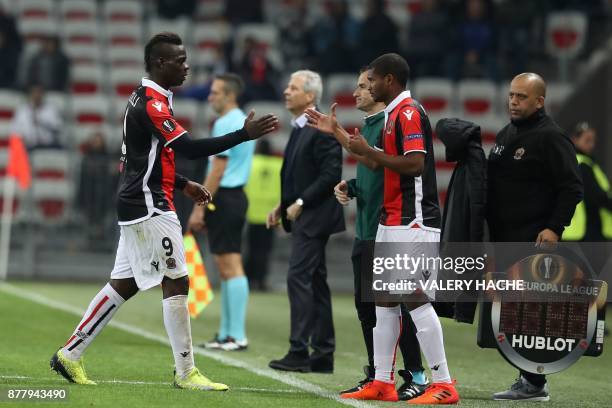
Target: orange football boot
{"type": "Point", "coordinates": [374, 390]}
{"type": "Point", "coordinates": [437, 393]}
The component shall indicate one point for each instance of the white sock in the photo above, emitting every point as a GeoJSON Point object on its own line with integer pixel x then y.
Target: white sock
{"type": "Point", "coordinates": [386, 336]}
{"type": "Point", "coordinates": [101, 309]}
{"type": "Point", "coordinates": [178, 327]}
{"type": "Point", "coordinates": [429, 333]}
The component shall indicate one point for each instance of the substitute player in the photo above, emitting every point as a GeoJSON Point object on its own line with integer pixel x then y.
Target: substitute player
{"type": "Point", "coordinates": [410, 214]}
{"type": "Point", "coordinates": [367, 189]}
{"type": "Point", "coordinates": [150, 250]}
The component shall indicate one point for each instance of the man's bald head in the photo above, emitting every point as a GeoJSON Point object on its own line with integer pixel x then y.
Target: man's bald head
{"type": "Point", "coordinates": [536, 81]}
{"type": "Point", "coordinates": [526, 96]}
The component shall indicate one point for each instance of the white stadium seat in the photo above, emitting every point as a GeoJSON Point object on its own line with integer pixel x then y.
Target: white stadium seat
{"type": "Point", "coordinates": [123, 10]}
{"type": "Point", "coordinates": [78, 10]}
{"type": "Point", "coordinates": [93, 109]}
{"type": "Point", "coordinates": [436, 95]}
{"type": "Point", "coordinates": [87, 79]}
{"type": "Point", "coordinates": [477, 97]}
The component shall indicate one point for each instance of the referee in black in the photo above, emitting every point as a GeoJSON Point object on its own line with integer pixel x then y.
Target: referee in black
{"type": "Point", "coordinates": [533, 189]}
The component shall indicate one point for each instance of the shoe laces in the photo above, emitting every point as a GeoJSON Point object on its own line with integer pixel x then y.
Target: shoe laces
{"type": "Point", "coordinates": [517, 385]}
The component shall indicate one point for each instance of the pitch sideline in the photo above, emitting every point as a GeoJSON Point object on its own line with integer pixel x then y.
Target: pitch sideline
{"type": "Point", "coordinates": [229, 361]}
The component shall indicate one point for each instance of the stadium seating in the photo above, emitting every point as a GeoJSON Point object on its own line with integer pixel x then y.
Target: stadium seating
{"type": "Point", "coordinates": [87, 79]}
{"type": "Point", "coordinates": [79, 135]}
{"type": "Point", "coordinates": [210, 35]}
{"type": "Point", "coordinates": [90, 110]}
{"type": "Point", "coordinates": [122, 34]}
{"type": "Point", "coordinates": [125, 56]}
{"type": "Point", "coordinates": [123, 80]}
{"type": "Point", "coordinates": [51, 164]}
{"type": "Point", "coordinates": [84, 54]}
{"type": "Point", "coordinates": [36, 9]}
{"type": "Point", "coordinates": [266, 36]}
{"type": "Point", "coordinates": [186, 113]}
{"type": "Point", "coordinates": [436, 95]}
{"type": "Point", "coordinates": [566, 33]}
{"type": "Point", "coordinates": [51, 199]}
{"type": "Point", "coordinates": [209, 9]}
{"type": "Point", "coordinates": [81, 32]}
{"type": "Point", "coordinates": [276, 108]}
{"type": "Point", "coordinates": [9, 102]}
{"type": "Point", "coordinates": [33, 30]}
{"type": "Point", "coordinates": [180, 26]}
{"type": "Point", "coordinates": [340, 88]}
{"type": "Point", "coordinates": [123, 10]}
{"type": "Point", "coordinates": [556, 94]}
{"type": "Point", "coordinates": [349, 117]}
{"type": "Point", "coordinates": [78, 10]}
{"type": "Point", "coordinates": [476, 97]}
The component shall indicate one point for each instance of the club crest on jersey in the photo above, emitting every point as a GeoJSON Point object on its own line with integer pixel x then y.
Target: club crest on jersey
{"type": "Point", "coordinates": [169, 125]}
{"type": "Point", "coordinates": [171, 263]}
{"type": "Point", "coordinates": [390, 126]}
{"type": "Point", "coordinates": [518, 154]}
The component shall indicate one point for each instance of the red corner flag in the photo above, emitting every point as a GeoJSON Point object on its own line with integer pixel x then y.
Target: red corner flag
{"type": "Point", "coordinates": [18, 165]}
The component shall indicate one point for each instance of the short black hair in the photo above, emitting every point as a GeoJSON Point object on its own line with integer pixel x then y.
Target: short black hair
{"type": "Point", "coordinates": [232, 83]}
{"type": "Point", "coordinates": [151, 49]}
{"type": "Point", "coordinates": [363, 69]}
{"type": "Point", "coordinates": [392, 64]}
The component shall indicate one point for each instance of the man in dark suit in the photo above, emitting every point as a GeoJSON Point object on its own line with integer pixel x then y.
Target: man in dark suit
{"type": "Point", "coordinates": [312, 166]}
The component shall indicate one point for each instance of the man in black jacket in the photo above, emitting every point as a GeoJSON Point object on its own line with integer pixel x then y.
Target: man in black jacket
{"type": "Point", "coordinates": [533, 189]}
{"type": "Point", "coordinates": [312, 166]}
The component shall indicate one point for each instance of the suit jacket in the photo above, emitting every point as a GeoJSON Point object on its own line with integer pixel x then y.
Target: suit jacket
{"type": "Point", "coordinates": [313, 168]}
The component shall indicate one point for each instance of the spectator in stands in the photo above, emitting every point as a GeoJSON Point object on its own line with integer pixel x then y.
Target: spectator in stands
{"type": "Point", "coordinates": [428, 40]}
{"type": "Point", "coordinates": [38, 122]}
{"type": "Point", "coordinates": [476, 48]}
{"type": "Point", "coordinates": [297, 47]}
{"type": "Point", "coordinates": [335, 38]}
{"type": "Point", "coordinates": [171, 9]}
{"type": "Point", "coordinates": [516, 18]}
{"type": "Point", "coordinates": [378, 33]}
{"type": "Point", "coordinates": [49, 67]}
{"type": "Point", "coordinates": [98, 180]}
{"type": "Point", "coordinates": [258, 72]}
{"type": "Point", "coordinates": [10, 49]}
{"type": "Point", "coordinates": [240, 11]}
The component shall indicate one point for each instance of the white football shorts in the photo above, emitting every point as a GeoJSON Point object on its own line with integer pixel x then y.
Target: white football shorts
{"type": "Point", "coordinates": [418, 243]}
{"type": "Point", "coordinates": [150, 250]}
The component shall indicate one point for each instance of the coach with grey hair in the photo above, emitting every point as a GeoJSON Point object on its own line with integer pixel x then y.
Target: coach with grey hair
{"type": "Point", "coordinates": [312, 166]}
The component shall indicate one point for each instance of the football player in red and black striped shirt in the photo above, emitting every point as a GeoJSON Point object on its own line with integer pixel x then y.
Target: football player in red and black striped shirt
{"type": "Point", "coordinates": [150, 250]}
{"type": "Point", "coordinates": [410, 215]}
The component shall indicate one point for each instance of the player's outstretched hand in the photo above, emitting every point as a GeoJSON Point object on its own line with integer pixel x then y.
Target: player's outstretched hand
{"type": "Point", "coordinates": [197, 193]}
{"type": "Point", "coordinates": [322, 122]}
{"type": "Point", "coordinates": [357, 143]}
{"type": "Point", "coordinates": [256, 128]}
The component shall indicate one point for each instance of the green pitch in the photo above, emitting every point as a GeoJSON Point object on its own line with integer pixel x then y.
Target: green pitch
{"type": "Point", "coordinates": [133, 365]}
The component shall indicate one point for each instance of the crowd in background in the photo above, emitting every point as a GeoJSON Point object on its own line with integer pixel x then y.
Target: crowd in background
{"type": "Point", "coordinates": [454, 39]}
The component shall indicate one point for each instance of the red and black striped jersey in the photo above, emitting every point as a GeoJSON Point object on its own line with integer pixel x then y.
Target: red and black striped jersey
{"type": "Point", "coordinates": [146, 185]}
{"type": "Point", "coordinates": [409, 200]}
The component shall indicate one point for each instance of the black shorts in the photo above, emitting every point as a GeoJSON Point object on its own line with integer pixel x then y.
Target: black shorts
{"type": "Point", "coordinates": [225, 224]}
